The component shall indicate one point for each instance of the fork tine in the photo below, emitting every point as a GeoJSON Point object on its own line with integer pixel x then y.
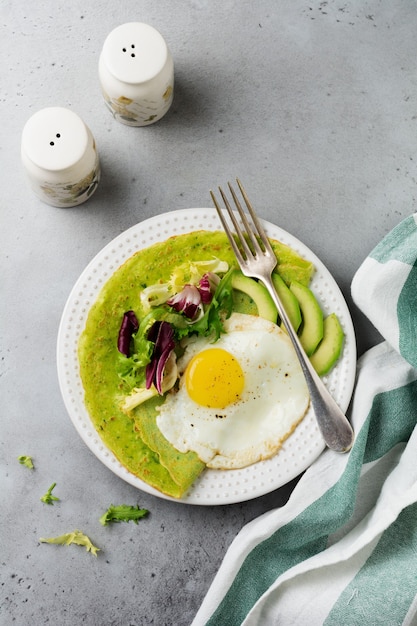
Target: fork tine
{"type": "Point", "coordinates": [239, 233]}
{"type": "Point", "coordinates": [226, 228]}
{"type": "Point", "coordinates": [248, 227]}
{"type": "Point", "coordinates": [258, 225]}
{"type": "Point", "coordinates": [244, 252]}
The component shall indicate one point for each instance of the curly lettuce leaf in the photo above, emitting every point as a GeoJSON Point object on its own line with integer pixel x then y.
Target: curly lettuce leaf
{"type": "Point", "coordinates": [48, 498]}
{"type": "Point", "coordinates": [132, 369]}
{"type": "Point", "coordinates": [26, 461]}
{"type": "Point", "coordinates": [220, 308]}
{"type": "Point", "coordinates": [139, 395]}
{"type": "Point", "coordinates": [154, 295]}
{"type": "Point", "coordinates": [136, 370]}
{"type": "Point", "coordinates": [77, 537]}
{"type": "Point", "coordinates": [123, 513]}
{"type": "Point", "coordinates": [189, 273]}
{"type": "Point", "coordinates": [193, 271]}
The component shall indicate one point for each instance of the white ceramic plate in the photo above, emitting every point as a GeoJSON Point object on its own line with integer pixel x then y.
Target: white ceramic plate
{"type": "Point", "coordinates": [213, 486]}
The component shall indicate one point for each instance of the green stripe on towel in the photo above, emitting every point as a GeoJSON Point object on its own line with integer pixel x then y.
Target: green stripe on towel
{"type": "Point", "coordinates": [406, 313]}
{"type": "Point", "coordinates": [399, 245]}
{"type": "Point", "coordinates": [392, 567]}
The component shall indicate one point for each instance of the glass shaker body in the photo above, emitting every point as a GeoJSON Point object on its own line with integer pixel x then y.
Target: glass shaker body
{"type": "Point", "coordinates": [136, 74]}
{"type": "Point", "coordinates": [60, 157]}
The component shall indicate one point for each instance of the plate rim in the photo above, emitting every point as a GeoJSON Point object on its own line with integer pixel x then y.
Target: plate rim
{"type": "Point", "coordinates": [101, 451]}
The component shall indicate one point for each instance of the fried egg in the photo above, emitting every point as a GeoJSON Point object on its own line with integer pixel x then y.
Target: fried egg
{"type": "Point", "coordinates": [238, 398]}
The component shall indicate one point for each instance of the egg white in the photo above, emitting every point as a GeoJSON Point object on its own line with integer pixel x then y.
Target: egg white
{"type": "Point", "coordinates": [274, 400]}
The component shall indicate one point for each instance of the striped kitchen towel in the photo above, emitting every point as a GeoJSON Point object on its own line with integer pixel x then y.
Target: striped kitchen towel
{"type": "Point", "coordinates": [343, 550]}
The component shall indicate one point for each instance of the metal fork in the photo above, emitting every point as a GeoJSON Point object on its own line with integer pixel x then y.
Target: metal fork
{"type": "Point", "coordinates": [257, 260]}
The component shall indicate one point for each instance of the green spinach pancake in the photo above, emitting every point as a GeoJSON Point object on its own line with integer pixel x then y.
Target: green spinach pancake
{"type": "Point", "coordinates": [133, 436]}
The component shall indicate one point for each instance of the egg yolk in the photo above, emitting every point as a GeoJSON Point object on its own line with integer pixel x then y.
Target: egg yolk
{"type": "Point", "coordinates": [214, 378]}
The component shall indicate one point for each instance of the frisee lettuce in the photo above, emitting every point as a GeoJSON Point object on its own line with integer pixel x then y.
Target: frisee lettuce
{"type": "Point", "coordinates": [220, 308]}
{"type": "Point", "coordinates": [77, 537]}
{"type": "Point", "coordinates": [189, 273]}
{"type": "Point", "coordinates": [123, 513]}
{"type": "Point", "coordinates": [26, 461]}
{"type": "Point", "coordinates": [138, 395]}
{"type": "Point", "coordinates": [48, 498]}
{"type": "Point", "coordinates": [132, 370]}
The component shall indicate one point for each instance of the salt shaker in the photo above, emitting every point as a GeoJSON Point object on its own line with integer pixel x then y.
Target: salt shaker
{"type": "Point", "coordinates": [60, 157]}
{"type": "Point", "coordinates": [136, 74]}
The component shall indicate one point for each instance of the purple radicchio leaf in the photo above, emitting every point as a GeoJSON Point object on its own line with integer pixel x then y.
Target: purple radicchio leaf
{"type": "Point", "coordinates": [187, 301]}
{"type": "Point", "coordinates": [128, 327]}
{"type": "Point", "coordinates": [162, 335]}
{"type": "Point", "coordinates": [207, 286]}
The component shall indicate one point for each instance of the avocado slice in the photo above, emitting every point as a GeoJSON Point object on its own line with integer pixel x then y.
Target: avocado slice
{"type": "Point", "coordinates": [330, 347]}
{"type": "Point", "coordinates": [258, 293]}
{"type": "Point", "coordinates": [289, 301]}
{"type": "Point", "coordinates": [310, 332]}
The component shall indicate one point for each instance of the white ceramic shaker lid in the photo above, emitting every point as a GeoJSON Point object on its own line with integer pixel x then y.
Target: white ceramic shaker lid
{"type": "Point", "coordinates": [136, 74]}
{"type": "Point", "coordinates": [135, 52]}
{"type": "Point", "coordinates": [55, 139]}
{"type": "Point", "coordinates": [60, 157]}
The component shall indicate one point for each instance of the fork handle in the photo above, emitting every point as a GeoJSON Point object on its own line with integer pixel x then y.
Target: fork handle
{"type": "Point", "coordinates": [333, 424]}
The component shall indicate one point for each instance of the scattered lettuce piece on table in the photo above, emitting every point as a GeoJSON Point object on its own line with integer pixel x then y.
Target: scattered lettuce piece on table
{"type": "Point", "coordinates": [77, 537]}
{"type": "Point", "coordinates": [26, 461]}
{"type": "Point", "coordinates": [123, 513]}
{"type": "Point", "coordinates": [48, 498]}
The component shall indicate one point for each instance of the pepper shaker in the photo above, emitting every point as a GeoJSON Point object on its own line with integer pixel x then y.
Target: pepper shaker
{"type": "Point", "coordinates": [60, 157]}
{"type": "Point", "coordinates": [136, 74]}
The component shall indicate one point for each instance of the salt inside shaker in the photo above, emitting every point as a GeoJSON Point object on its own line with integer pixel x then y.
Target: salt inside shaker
{"type": "Point", "coordinates": [60, 157]}
{"type": "Point", "coordinates": [136, 74]}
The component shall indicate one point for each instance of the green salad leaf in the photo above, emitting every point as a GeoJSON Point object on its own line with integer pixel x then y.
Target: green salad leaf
{"type": "Point", "coordinates": [48, 498]}
{"type": "Point", "coordinates": [132, 369]}
{"type": "Point", "coordinates": [26, 461]}
{"type": "Point", "coordinates": [189, 273]}
{"type": "Point", "coordinates": [123, 513]}
{"type": "Point", "coordinates": [76, 536]}
{"type": "Point", "coordinates": [220, 308]}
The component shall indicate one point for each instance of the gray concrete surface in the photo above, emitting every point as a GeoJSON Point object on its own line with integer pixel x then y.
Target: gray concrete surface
{"type": "Point", "coordinates": [314, 105]}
